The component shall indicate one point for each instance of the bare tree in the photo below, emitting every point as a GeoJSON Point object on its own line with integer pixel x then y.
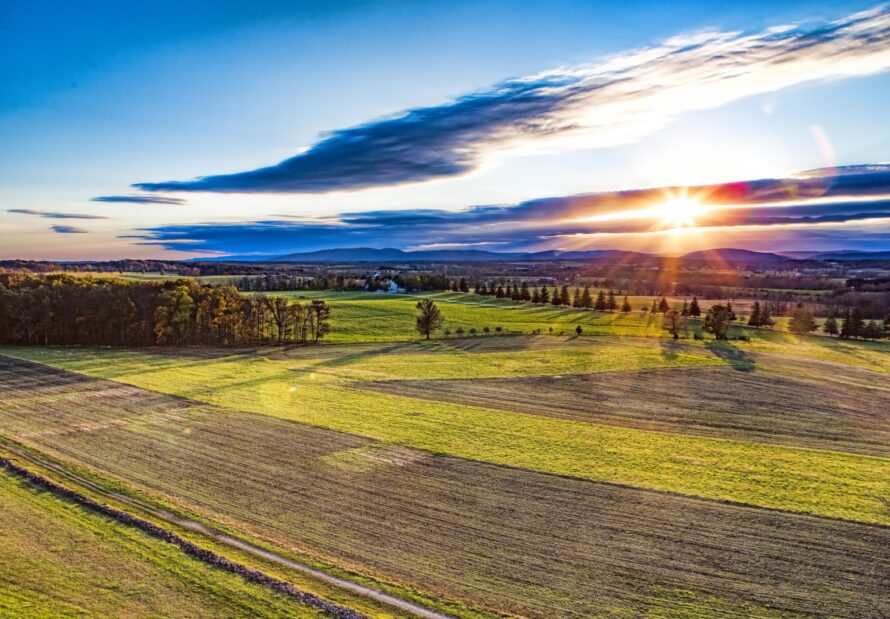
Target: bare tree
{"type": "Point", "coordinates": [429, 319]}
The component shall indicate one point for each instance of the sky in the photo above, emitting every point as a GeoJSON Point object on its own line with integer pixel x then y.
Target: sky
{"type": "Point", "coordinates": [262, 128]}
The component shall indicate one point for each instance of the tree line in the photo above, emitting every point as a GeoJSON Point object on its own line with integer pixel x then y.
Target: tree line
{"type": "Point", "coordinates": [61, 309]}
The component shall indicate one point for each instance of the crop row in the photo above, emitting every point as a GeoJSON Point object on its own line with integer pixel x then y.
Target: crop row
{"type": "Point", "coordinates": [495, 537]}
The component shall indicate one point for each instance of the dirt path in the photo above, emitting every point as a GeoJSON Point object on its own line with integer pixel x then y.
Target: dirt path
{"type": "Point", "coordinates": [228, 540]}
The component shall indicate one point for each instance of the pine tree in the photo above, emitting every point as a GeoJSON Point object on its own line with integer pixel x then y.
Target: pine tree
{"type": "Point", "coordinates": [801, 320]}
{"type": "Point", "coordinates": [765, 319]}
{"type": "Point", "coordinates": [871, 331]}
{"type": "Point", "coordinates": [754, 318]}
{"type": "Point", "coordinates": [536, 295]}
{"type": "Point", "coordinates": [663, 306]}
{"type": "Point", "coordinates": [654, 308]}
{"type": "Point", "coordinates": [600, 304]}
{"type": "Point", "coordinates": [499, 293]}
{"type": "Point", "coordinates": [611, 305]}
{"type": "Point", "coordinates": [830, 326]}
{"type": "Point", "coordinates": [853, 324]}
{"type": "Point", "coordinates": [694, 309]}
{"type": "Point", "coordinates": [523, 292]}
{"type": "Point", "coordinates": [564, 296]}
{"type": "Point", "coordinates": [886, 327]}
{"type": "Point", "coordinates": [463, 286]}
{"type": "Point", "coordinates": [556, 299]}
{"type": "Point", "coordinates": [480, 289]}
{"type": "Point", "coordinates": [586, 299]}
{"type": "Point", "coordinates": [545, 295]}
{"type": "Point", "coordinates": [576, 298]}
{"type": "Point", "coordinates": [685, 310]}
{"type": "Point", "coordinates": [625, 306]}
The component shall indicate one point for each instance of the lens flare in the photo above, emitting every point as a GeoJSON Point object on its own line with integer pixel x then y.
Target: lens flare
{"type": "Point", "coordinates": [679, 211]}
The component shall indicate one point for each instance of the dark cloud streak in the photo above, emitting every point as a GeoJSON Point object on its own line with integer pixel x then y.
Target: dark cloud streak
{"type": "Point", "coordinates": [139, 200]}
{"type": "Point", "coordinates": [53, 214]}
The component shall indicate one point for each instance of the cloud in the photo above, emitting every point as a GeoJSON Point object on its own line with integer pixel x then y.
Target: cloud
{"type": "Point", "coordinates": [140, 199]}
{"type": "Point", "coordinates": [68, 230]}
{"type": "Point", "coordinates": [53, 214]}
{"type": "Point", "coordinates": [615, 102]}
{"type": "Point", "coordinates": [815, 199]}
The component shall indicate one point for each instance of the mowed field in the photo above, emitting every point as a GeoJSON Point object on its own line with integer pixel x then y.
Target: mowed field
{"type": "Point", "coordinates": [59, 560]}
{"type": "Point", "coordinates": [493, 537]}
{"type": "Point", "coordinates": [539, 476]}
{"type": "Point", "coordinates": [363, 316]}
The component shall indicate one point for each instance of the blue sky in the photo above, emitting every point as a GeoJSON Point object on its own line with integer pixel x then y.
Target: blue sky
{"type": "Point", "coordinates": [510, 105]}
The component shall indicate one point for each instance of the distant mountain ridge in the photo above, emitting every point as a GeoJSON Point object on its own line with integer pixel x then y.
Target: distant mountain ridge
{"type": "Point", "coordinates": [370, 254]}
{"type": "Point", "coordinates": [733, 255]}
{"type": "Point", "coordinates": [724, 255]}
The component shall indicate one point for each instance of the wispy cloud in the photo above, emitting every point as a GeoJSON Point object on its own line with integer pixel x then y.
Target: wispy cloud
{"type": "Point", "coordinates": [817, 198]}
{"type": "Point", "coordinates": [68, 230]}
{"type": "Point", "coordinates": [137, 199]}
{"type": "Point", "coordinates": [53, 214]}
{"type": "Point", "coordinates": [617, 101]}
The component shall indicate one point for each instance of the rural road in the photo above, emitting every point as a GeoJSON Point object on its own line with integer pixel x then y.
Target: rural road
{"type": "Point", "coordinates": [228, 540]}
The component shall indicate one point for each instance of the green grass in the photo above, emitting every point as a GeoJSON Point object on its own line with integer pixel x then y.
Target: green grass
{"type": "Point", "coordinates": [60, 560]}
{"type": "Point", "coordinates": [819, 482]}
{"type": "Point", "coordinates": [368, 317]}
{"type": "Point", "coordinates": [363, 317]}
{"type": "Point", "coordinates": [539, 545]}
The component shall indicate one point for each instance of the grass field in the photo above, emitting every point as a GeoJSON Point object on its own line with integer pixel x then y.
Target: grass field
{"type": "Point", "coordinates": [619, 473]}
{"type": "Point", "coordinates": [365, 317]}
{"type": "Point", "coordinates": [538, 545]}
{"type": "Point", "coordinates": [325, 394]}
{"type": "Point", "coordinates": [59, 560]}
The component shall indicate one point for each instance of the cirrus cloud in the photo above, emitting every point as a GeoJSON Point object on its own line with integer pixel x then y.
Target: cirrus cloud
{"type": "Point", "coordinates": [52, 214]}
{"type": "Point", "coordinates": [137, 199]}
{"type": "Point", "coordinates": [615, 102]}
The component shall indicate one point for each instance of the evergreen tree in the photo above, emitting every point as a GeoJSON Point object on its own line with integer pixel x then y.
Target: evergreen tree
{"type": "Point", "coordinates": [536, 295]}
{"type": "Point", "coordinates": [576, 298]}
{"type": "Point", "coordinates": [886, 326]}
{"type": "Point", "coordinates": [586, 299]}
{"type": "Point", "coordinates": [801, 320]}
{"type": "Point", "coordinates": [545, 295]}
{"type": "Point", "coordinates": [754, 318]}
{"type": "Point", "coordinates": [853, 324]}
{"type": "Point", "coordinates": [499, 293]}
{"type": "Point", "coordinates": [463, 286]}
{"type": "Point", "coordinates": [600, 304]}
{"type": "Point", "coordinates": [611, 305]}
{"type": "Point", "coordinates": [765, 319]}
{"type": "Point", "coordinates": [871, 331]}
{"type": "Point", "coordinates": [654, 308]}
{"type": "Point", "coordinates": [625, 306]}
{"type": "Point", "coordinates": [556, 299]}
{"type": "Point", "coordinates": [663, 305]}
{"type": "Point", "coordinates": [481, 290]}
{"type": "Point", "coordinates": [564, 296]}
{"type": "Point", "coordinates": [830, 326]}
{"type": "Point", "coordinates": [524, 294]}
{"type": "Point", "coordinates": [685, 310]}
{"type": "Point", "coordinates": [694, 309]}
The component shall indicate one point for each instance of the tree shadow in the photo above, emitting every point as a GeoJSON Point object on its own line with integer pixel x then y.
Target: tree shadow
{"type": "Point", "coordinates": [737, 359]}
{"type": "Point", "coordinates": [669, 349]}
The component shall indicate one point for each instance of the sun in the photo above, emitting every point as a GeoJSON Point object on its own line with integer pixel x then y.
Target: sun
{"type": "Point", "coordinates": [679, 211]}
